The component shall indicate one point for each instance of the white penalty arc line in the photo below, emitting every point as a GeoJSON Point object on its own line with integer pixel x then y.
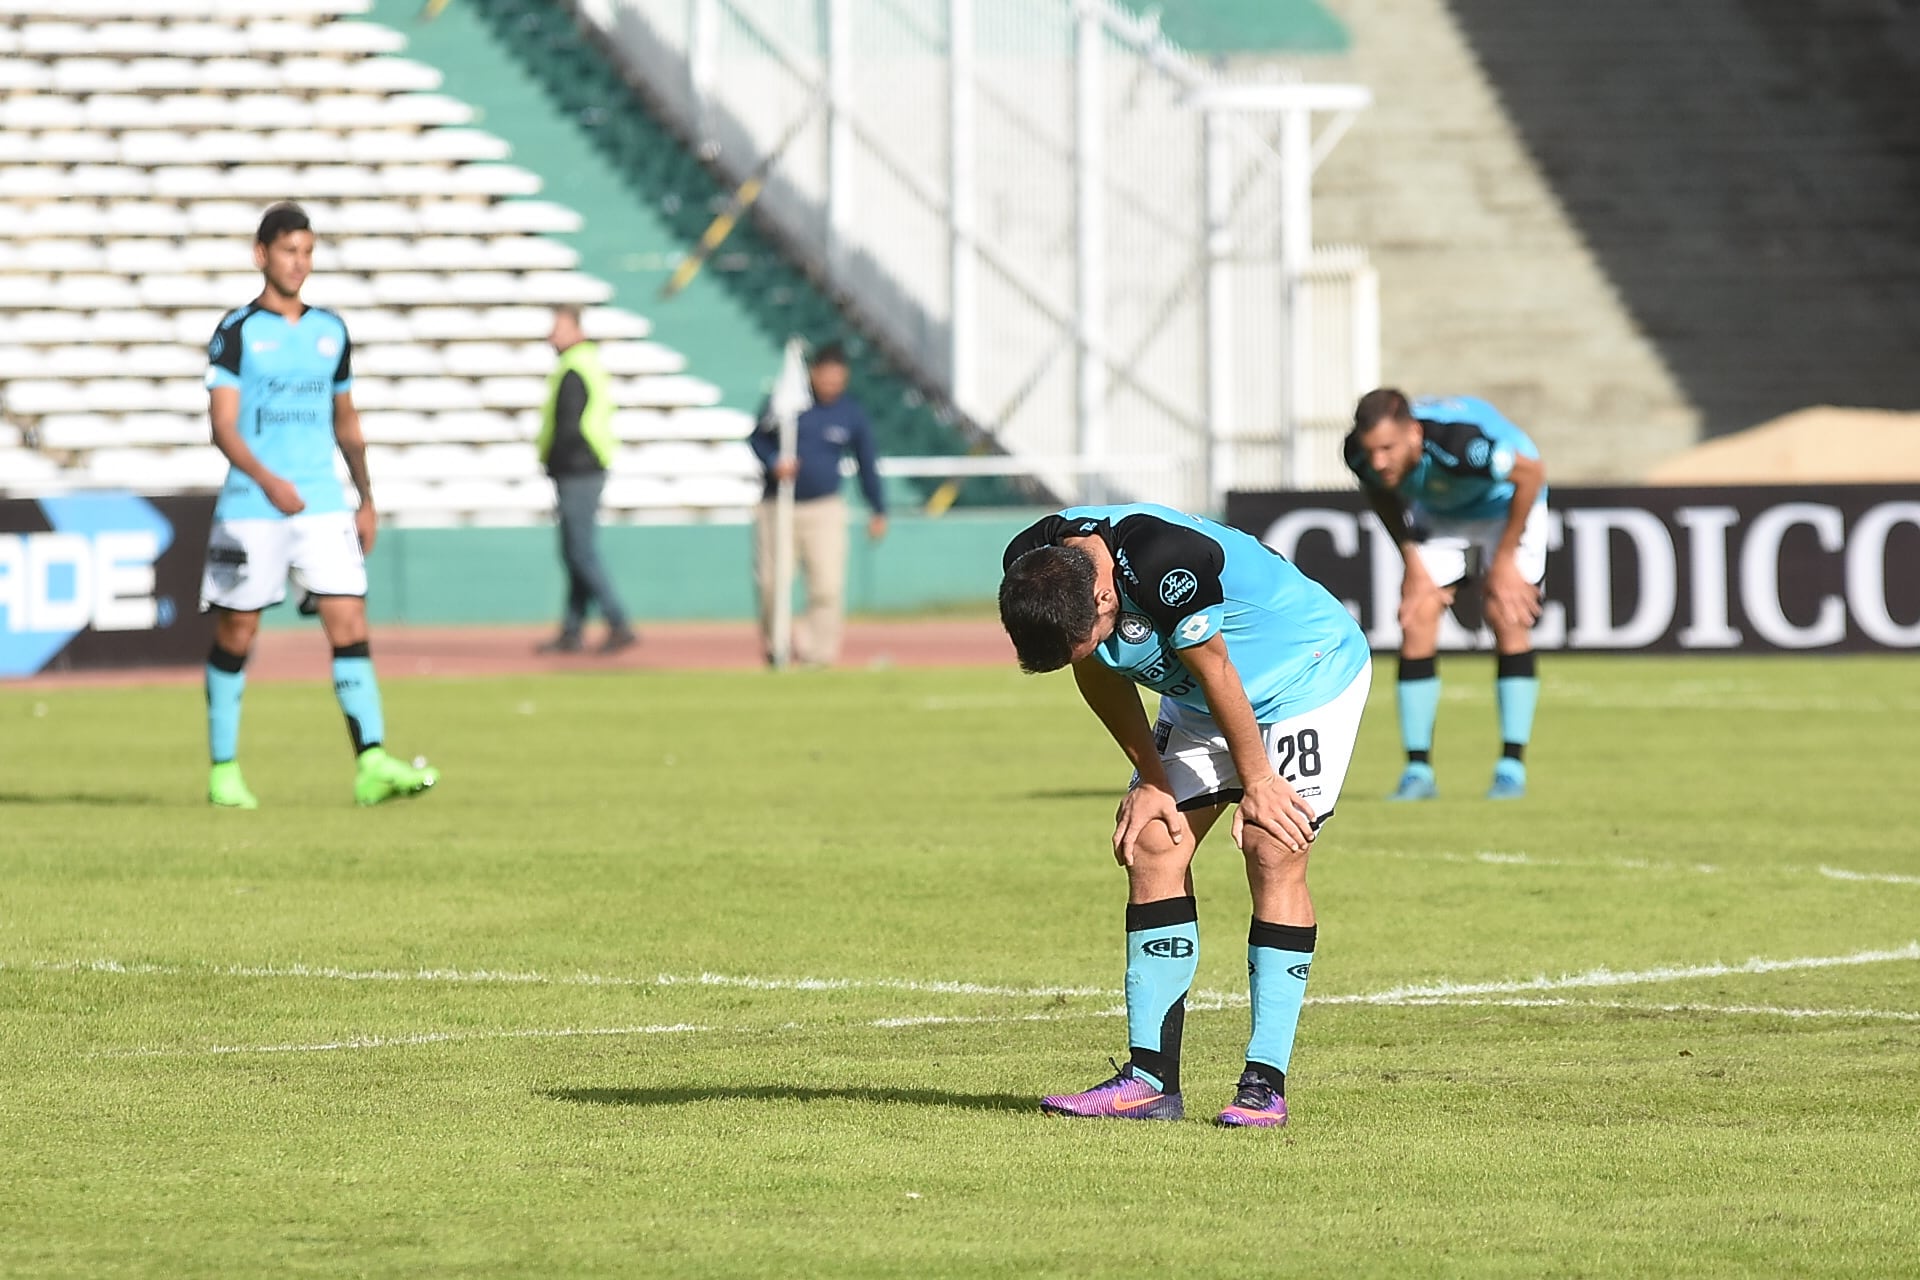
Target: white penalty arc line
{"type": "Point", "coordinates": [1867, 877]}
{"type": "Point", "coordinates": [1497, 858]}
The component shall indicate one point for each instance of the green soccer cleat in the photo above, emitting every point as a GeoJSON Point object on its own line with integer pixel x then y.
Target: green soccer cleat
{"type": "Point", "coordinates": [226, 789]}
{"type": "Point", "coordinates": [381, 777]}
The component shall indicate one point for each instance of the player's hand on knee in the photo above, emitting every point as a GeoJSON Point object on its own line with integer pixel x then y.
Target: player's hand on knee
{"type": "Point", "coordinates": [1273, 806]}
{"type": "Point", "coordinates": [1511, 599]}
{"type": "Point", "coordinates": [1143, 806]}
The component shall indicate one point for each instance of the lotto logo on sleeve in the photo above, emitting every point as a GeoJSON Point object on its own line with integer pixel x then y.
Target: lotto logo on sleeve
{"type": "Point", "coordinates": [1478, 451]}
{"type": "Point", "coordinates": [1178, 587]}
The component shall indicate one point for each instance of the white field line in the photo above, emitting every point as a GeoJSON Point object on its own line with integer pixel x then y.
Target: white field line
{"type": "Point", "coordinates": [386, 1042]}
{"type": "Point", "coordinates": [1867, 877]}
{"type": "Point", "coordinates": [1440, 993]}
{"type": "Point", "coordinates": [1604, 977]}
{"type": "Point", "coordinates": [1600, 977]}
{"type": "Point", "coordinates": [1498, 858]}
{"type": "Point", "coordinates": [528, 978]}
{"type": "Point", "coordinates": [941, 1020]}
{"type": "Point", "coordinates": [1768, 1010]}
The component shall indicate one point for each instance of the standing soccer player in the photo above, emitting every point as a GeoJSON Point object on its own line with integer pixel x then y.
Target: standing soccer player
{"type": "Point", "coordinates": [279, 378]}
{"type": "Point", "coordinates": [1464, 493]}
{"type": "Point", "coordinates": [1262, 677]}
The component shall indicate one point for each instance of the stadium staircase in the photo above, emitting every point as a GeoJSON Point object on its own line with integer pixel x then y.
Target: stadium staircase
{"type": "Point", "coordinates": [139, 140]}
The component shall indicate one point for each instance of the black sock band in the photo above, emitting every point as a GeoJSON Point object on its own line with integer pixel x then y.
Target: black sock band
{"type": "Point", "coordinates": [1276, 1078]}
{"type": "Point", "coordinates": [1283, 937]}
{"type": "Point", "coordinates": [1158, 915]}
{"type": "Point", "coordinates": [1164, 1063]}
{"type": "Point", "coordinates": [1517, 666]}
{"type": "Point", "coordinates": [358, 650]}
{"type": "Point", "coordinates": [1419, 757]}
{"type": "Point", "coordinates": [221, 660]}
{"type": "Point", "coordinates": [1514, 750]}
{"type": "Point", "coordinates": [1419, 668]}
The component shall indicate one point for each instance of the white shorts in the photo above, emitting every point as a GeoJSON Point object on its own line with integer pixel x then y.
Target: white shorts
{"type": "Point", "coordinates": [249, 561]}
{"type": "Point", "coordinates": [1455, 550]}
{"type": "Point", "coordinates": [1310, 750]}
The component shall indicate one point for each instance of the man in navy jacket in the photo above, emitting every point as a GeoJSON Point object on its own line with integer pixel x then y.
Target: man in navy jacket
{"type": "Point", "coordinates": [834, 424]}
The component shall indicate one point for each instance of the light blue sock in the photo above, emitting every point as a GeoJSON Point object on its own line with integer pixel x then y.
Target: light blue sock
{"type": "Point", "coordinates": [1419, 697]}
{"type": "Point", "coordinates": [1163, 951]}
{"type": "Point", "coordinates": [1278, 957]}
{"type": "Point", "coordinates": [359, 696]}
{"type": "Point", "coordinates": [1517, 691]}
{"type": "Point", "coordinates": [226, 681]}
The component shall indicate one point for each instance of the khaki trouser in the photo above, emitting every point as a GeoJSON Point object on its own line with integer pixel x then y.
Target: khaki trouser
{"type": "Point", "coordinates": [819, 551]}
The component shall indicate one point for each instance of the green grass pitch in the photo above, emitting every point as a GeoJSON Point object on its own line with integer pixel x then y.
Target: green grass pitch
{"type": "Point", "coordinates": [470, 1036]}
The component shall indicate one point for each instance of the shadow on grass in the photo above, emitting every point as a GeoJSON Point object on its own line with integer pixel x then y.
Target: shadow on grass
{"type": "Point", "coordinates": [1076, 793]}
{"type": "Point", "coordinates": [676, 1097]}
{"type": "Point", "coordinates": [128, 799]}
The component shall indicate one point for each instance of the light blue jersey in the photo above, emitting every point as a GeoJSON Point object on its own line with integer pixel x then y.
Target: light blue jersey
{"type": "Point", "coordinates": [288, 373]}
{"type": "Point", "coordinates": [1184, 580]}
{"type": "Point", "coordinates": [1465, 463]}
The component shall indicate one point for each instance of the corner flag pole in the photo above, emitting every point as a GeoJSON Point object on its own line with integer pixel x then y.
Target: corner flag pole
{"type": "Point", "coordinates": [791, 395]}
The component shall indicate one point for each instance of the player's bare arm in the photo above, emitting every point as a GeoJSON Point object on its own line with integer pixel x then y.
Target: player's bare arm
{"type": "Point", "coordinates": [1270, 803]}
{"type": "Point", "coordinates": [1511, 599]}
{"type": "Point", "coordinates": [353, 448]}
{"type": "Point", "coordinates": [1115, 702]}
{"type": "Point", "coordinates": [224, 411]}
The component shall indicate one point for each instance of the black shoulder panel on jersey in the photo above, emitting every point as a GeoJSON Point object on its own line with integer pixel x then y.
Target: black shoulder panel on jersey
{"type": "Point", "coordinates": [1171, 571]}
{"type": "Point", "coordinates": [1049, 531]}
{"type": "Point", "coordinates": [224, 349]}
{"type": "Point", "coordinates": [1451, 445]}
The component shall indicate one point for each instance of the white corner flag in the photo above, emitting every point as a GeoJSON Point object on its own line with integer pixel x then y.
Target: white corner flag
{"type": "Point", "coordinates": [792, 394]}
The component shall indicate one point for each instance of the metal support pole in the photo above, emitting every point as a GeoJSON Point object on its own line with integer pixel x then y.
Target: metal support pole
{"type": "Point", "coordinates": [963, 263]}
{"type": "Point", "coordinates": [839, 47]}
{"type": "Point", "coordinates": [1220, 335]}
{"type": "Point", "coordinates": [1090, 248]}
{"type": "Point", "coordinates": [703, 17]}
{"type": "Point", "coordinates": [1296, 254]}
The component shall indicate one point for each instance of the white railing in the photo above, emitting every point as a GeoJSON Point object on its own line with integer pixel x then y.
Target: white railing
{"type": "Point", "coordinates": [1093, 243]}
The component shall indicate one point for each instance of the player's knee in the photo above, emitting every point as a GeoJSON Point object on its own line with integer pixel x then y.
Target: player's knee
{"type": "Point", "coordinates": [234, 632]}
{"type": "Point", "coordinates": [1264, 853]}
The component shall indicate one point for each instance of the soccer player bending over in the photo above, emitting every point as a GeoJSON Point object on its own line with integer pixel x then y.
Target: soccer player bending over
{"type": "Point", "coordinates": [279, 378]}
{"type": "Point", "coordinates": [1464, 493]}
{"type": "Point", "coordinates": [1262, 678]}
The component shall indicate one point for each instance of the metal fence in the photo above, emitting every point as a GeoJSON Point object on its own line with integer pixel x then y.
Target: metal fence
{"type": "Point", "coordinates": [1102, 250]}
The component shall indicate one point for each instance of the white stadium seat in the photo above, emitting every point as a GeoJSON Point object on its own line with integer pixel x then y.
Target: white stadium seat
{"type": "Point", "coordinates": [19, 74]}
{"type": "Point", "coordinates": [513, 393]}
{"type": "Point", "coordinates": [32, 398]}
{"type": "Point", "coordinates": [42, 328]}
{"type": "Point", "coordinates": [396, 360]}
{"type": "Point", "coordinates": [273, 37]}
{"type": "Point", "coordinates": [136, 325]}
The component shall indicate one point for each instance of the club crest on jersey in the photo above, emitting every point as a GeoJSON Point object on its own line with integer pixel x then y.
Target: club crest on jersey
{"type": "Point", "coordinates": [1177, 587]}
{"type": "Point", "coordinates": [327, 346]}
{"type": "Point", "coordinates": [1134, 629]}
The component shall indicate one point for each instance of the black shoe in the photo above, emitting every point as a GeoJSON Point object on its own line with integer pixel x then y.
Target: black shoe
{"type": "Point", "coordinates": [619, 638]}
{"type": "Point", "coordinates": [565, 642]}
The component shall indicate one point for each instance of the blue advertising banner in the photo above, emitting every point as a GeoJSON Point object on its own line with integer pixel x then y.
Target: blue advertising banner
{"type": "Point", "coordinates": [101, 579]}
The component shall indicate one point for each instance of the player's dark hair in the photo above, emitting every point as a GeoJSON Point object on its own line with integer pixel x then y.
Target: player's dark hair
{"type": "Point", "coordinates": [1377, 406]}
{"type": "Point", "coordinates": [830, 353]}
{"type": "Point", "coordinates": [282, 219]}
{"type": "Point", "coordinates": [1046, 605]}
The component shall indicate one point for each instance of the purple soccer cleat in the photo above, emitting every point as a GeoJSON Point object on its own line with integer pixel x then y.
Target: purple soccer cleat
{"type": "Point", "coordinates": [1124, 1097]}
{"type": "Point", "coordinates": [1255, 1105]}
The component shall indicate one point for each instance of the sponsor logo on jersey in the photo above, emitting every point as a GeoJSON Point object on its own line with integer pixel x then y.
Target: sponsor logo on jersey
{"type": "Point", "coordinates": [1134, 629]}
{"type": "Point", "coordinates": [262, 344]}
{"type": "Point", "coordinates": [1177, 587]}
{"type": "Point", "coordinates": [1120, 558]}
{"type": "Point", "coordinates": [1169, 948]}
